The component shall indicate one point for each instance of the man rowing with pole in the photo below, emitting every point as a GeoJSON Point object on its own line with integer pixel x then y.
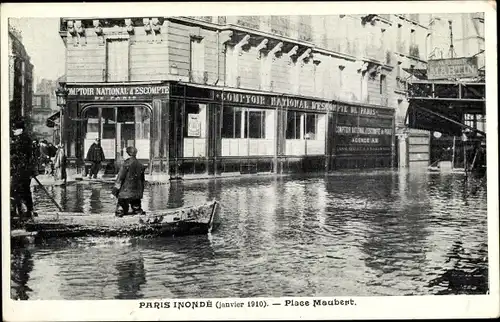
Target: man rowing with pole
{"type": "Point", "coordinates": [21, 170]}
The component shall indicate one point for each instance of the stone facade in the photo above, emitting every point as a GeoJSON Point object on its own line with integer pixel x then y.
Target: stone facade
{"type": "Point", "coordinates": [338, 59]}
{"type": "Point", "coordinates": [20, 78]}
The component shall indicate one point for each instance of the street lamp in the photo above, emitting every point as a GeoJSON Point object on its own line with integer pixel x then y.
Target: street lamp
{"type": "Point", "coordinates": [61, 96]}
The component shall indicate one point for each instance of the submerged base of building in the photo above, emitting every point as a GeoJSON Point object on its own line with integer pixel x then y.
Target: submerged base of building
{"type": "Point", "coordinates": [181, 130]}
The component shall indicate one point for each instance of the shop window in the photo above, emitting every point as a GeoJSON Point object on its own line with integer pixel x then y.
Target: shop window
{"type": "Point", "coordinates": [195, 116]}
{"type": "Point", "coordinates": [293, 125]}
{"type": "Point", "coordinates": [191, 120]}
{"type": "Point", "coordinates": [108, 123]}
{"type": "Point", "coordinates": [143, 123]}
{"type": "Point", "coordinates": [255, 124]}
{"type": "Point", "coordinates": [92, 115]}
{"type": "Point", "coordinates": [118, 127]}
{"type": "Point", "coordinates": [247, 132]}
{"type": "Point", "coordinates": [231, 122]}
{"type": "Point", "coordinates": [311, 127]}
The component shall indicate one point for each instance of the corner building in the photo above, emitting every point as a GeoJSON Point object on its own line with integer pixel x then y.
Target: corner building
{"type": "Point", "coordinates": [236, 94]}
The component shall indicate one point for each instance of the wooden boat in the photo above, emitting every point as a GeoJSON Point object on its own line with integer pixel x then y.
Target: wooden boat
{"type": "Point", "coordinates": [200, 219]}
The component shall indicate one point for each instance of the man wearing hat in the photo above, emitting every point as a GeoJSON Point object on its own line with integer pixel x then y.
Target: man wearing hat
{"type": "Point", "coordinates": [129, 185]}
{"type": "Point", "coordinates": [21, 168]}
{"type": "Point", "coordinates": [95, 155]}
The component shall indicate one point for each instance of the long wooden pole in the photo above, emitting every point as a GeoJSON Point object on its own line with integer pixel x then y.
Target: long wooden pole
{"type": "Point", "coordinates": [48, 194]}
{"type": "Point", "coordinates": [453, 155]}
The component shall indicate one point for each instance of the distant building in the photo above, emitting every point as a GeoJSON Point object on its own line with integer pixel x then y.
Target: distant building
{"type": "Point", "coordinates": [42, 110]}
{"type": "Point", "coordinates": [20, 78]}
{"type": "Point", "coordinates": [458, 95]}
{"type": "Point", "coordinates": [468, 36]}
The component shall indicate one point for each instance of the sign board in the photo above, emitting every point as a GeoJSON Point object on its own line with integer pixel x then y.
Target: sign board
{"type": "Point", "coordinates": [194, 126]}
{"type": "Point", "coordinates": [463, 67]}
{"type": "Point", "coordinates": [126, 92]}
{"type": "Point", "coordinates": [299, 103]}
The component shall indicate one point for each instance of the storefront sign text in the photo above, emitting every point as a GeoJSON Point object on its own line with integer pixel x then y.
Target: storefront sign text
{"type": "Point", "coordinates": [123, 91]}
{"type": "Point", "coordinates": [363, 130]}
{"type": "Point", "coordinates": [289, 102]}
{"type": "Point", "coordinates": [452, 68]}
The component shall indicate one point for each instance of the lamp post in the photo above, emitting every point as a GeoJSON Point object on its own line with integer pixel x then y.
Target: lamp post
{"type": "Point", "coordinates": [61, 96]}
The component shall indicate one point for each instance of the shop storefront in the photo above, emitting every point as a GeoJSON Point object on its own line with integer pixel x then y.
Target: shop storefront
{"type": "Point", "coordinates": [185, 129]}
{"type": "Point", "coordinates": [120, 115]}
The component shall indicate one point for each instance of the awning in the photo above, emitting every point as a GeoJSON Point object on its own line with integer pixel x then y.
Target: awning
{"type": "Point", "coordinates": [51, 120]}
{"type": "Point", "coordinates": [437, 117]}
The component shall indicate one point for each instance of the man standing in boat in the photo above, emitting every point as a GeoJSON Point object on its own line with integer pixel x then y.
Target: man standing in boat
{"type": "Point", "coordinates": [21, 169]}
{"type": "Point", "coordinates": [129, 185]}
{"type": "Point", "coordinates": [95, 155]}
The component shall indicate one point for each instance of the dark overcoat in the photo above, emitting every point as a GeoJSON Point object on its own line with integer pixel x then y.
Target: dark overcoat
{"type": "Point", "coordinates": [95, 153]}
{"type": "Point", "coordinates": [21, 156]}
{"type": "Point", "coordinates": [130, 179]}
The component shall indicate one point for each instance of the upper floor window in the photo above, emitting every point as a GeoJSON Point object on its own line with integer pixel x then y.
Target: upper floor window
{"type": "Point", "coordinates": [383, 85]}
{"type": "Point", "coordinates": [117, 60]}
{"type": "Point", "coordinates": [197, 60]}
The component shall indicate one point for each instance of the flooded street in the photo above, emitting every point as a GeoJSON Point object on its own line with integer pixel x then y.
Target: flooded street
{"type": "Point", "coordinates": [346, 234]}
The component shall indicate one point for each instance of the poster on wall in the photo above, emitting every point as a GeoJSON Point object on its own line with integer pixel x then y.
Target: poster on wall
{"type": "Point", "coordinates": [194, 126]}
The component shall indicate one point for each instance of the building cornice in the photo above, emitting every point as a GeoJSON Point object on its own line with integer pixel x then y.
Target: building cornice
{"type": "Point", "coordinates": [411, 21]}
{"type": "Point", "coordinates": [411, 57]}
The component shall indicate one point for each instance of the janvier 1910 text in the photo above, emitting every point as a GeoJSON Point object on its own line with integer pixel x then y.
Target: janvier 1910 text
{"type": "Point", "coordinates": [222, 304]}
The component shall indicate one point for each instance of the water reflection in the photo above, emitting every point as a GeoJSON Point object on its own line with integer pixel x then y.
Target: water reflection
{"type": "Point", "coordinates": [466, 274]}
{"type": "Point", "coordinates": [21, 267]}
{"type": "Point", "coordinates": [349, 235]}
{"type": "Point", "coordinates": [131, 276]}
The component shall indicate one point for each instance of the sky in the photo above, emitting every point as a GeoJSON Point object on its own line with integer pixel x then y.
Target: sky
{"type": "Point", "coordinates": [45, 47]}
{"type": "Point", "coordinates": [43, 44]}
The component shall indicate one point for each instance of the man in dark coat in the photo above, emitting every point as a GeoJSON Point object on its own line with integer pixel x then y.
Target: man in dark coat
{"type": "Point", "coordinates": [129, 185]}
{"type": "Point", "coordinates": [21, 169]}
{"type": "Point", "coordinates": [95, 155]}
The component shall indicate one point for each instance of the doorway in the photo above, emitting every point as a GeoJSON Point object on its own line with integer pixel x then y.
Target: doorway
{"type": "Point", "coordinates": [118, 127]}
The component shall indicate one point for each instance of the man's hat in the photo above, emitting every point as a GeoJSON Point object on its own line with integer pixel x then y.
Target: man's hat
{"type": "Point", "coordinates": [131, 151]}
{"type": "Point", "coordinates": [19, 125]}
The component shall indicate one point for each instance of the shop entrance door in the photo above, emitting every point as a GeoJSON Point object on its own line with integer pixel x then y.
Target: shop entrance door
{"type": "Point", "coordinates": [118, 127]}
{"type": "Point", "coordinates": [126, 133]}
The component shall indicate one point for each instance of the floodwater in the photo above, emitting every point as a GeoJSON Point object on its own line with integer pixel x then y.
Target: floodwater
{"type": "Point", "coordinates": [351, 234]}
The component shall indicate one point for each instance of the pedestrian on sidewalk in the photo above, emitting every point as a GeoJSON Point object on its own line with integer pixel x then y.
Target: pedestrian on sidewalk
{"type": "Point", "coordinates": [47, 152]}
{"type": "Point", "coordinates": [129, 185]}
{"type": "Point", "coordinates": [21, 169]}
{"type": "Point", "coordinates": [60, 164]}
{"type": "Point", "coordinates": [95, 155]}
